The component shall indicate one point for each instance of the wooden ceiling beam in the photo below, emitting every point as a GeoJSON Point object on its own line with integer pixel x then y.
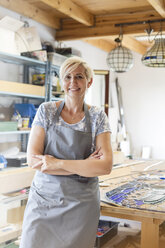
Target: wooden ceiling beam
{"type": "Point", "coordinates": [108, 44]}
{"type": "Point", "coordinates": [104, 31]}
{"type": "Point", "coordinates": [72, 10]}
{"type": "Point", "coordinates": [134, 45]}
{"type": "Point", "coordinates": [159, 6]}
{"type": "Point", "coordinates": [26, 9]}
{"type": "Point", "coordinates": [104, 45]}
{"type": "Point", "coordinates": [106, 20]}
{"type": "Point", "coordinates": [105, 25]}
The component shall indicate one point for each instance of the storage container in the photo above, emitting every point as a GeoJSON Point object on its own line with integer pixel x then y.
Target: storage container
{"type": "Point", "coordinates": [27, 111]}
{"type": "Point", "coordinates": [106, 231]}
{"type": "Point", "coordinates": [56, 59]}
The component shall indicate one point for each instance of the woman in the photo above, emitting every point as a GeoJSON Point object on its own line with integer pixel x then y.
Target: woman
{"type": "Point", "coordinates": [69, 146]}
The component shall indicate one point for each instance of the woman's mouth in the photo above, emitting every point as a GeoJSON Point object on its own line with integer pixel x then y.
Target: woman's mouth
{"type": "Point", "coordinates": [74, 89]}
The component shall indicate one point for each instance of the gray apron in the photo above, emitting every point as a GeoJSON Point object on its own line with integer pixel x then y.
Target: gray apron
{"type": "Point", "coordinates": [63, 211]}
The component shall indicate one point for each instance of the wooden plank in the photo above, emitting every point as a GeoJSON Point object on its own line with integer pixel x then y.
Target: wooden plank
{"type": "Point", "coordinates": [102, 44]}
{"type": "Point", "coordinates": [104, 6]}
{"type": "Point", "coordinates": [11, 232]}
{"type": "Point", "coordinates": [132, 214]}
{"type": "Point", "coordinates": [15, 179]}
{"type": "Point", "coordinates": [159, 6]}
{"type": "Point", "coordinates": [108, 44]}
{"type": "Point", "coordinates": [134, 44]}
{"type": "Point", "coordinates": [21, 88]}
{"type": "Point", "coordinates": [106, 20]}
{"type": "Point", "coordinates": [72, 10]}
{"type": "Point", "coordinates": [101, 72]}
{"type": "Point", "coordinates": [103, 31]}
{"type": "Point", "coordinates": [26, 9]}
{"type": "Point", "coordinates": [15, 215]}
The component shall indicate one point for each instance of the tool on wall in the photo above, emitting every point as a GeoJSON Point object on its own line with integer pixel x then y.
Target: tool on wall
{"type": "Point", "coordinates": [121, 121]}
{"type": "Point", "coordinates": [122, 136]}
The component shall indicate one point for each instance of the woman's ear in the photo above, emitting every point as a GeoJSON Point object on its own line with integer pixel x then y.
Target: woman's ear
{"type": "Point", "coordinates": [89, 83]}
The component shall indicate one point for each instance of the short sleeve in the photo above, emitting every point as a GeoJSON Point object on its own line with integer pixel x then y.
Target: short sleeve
{"type": "Point", "coordinates": [40, 117]}
{"type": "Point", "coordinates": [103, 124]}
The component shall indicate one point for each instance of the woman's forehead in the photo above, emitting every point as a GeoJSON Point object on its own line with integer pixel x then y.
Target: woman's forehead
{"type": "Point", "coordinates": [79, 69]}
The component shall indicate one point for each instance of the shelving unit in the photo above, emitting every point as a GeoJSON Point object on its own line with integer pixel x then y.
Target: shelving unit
{"type": "Point", "coordinates": [10, 232]}
{"type": "Point", "coordinates": [13, 179]}
{"type": "Point", "coordinates": [21, 60]}
{"type": "Point", "coordinates": [15, 132]}
{"type": "Point", "coordinates": [21, 95]}
{"type": "Point", "coordinates": [27, 91]}
{"type": "Point", "coordinates": [24, 90]}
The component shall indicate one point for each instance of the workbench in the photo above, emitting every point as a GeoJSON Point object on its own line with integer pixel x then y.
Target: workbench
{"type": "Point", "coordinates": [150, 219]}
{"type": "Point", "coordinates": [17, 178]}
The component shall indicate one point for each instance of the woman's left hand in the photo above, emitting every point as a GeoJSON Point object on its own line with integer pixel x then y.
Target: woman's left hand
{"type": "Point", "coordinates": [46, 163]}
{"type": "Point", "coordinates": [96, 154]}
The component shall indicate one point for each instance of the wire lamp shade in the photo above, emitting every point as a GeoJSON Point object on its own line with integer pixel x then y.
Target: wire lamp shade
{"type": "Point", "coordinates": [120, 59]}
{"type": "Point", "coordinates": [155, 57]}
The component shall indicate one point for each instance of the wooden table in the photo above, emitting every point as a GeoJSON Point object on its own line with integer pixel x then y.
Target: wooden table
{"type": "Point", "coordinates": [149, 219]}
{"type": "Point", "coordinates": [15, 179]}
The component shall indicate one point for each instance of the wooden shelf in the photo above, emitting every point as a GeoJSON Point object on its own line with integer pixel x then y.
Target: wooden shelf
{"type": "Point", "coordinates": [15, 179]}
{"type": "Point", "coordinates": [21, 60]}
{"type": "Point", "coordinates": [10, 232]}
{"type": "Point", "coordinates": [15, 132]}
{"type": "Point", "coordinates": [21, 89]}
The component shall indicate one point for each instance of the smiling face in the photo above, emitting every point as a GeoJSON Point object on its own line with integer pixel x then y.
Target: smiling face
{"type": "Point", "coordinates": [76, 83]}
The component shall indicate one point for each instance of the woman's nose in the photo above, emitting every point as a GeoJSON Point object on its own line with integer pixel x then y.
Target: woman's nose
{"type": "Point", "coordinates": [73, 79]}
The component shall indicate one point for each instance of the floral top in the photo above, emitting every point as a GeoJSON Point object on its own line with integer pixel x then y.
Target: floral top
{"type": "Point", "coordinates": [99, 120]}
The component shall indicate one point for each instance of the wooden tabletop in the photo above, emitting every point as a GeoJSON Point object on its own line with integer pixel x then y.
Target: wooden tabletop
{"type": "Point", "coordinates": [151, 217]}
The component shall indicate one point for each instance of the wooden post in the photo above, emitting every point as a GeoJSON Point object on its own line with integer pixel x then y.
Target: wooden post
{"type": "Point", "coordinates": [150, 234]}
{"type": "Point", "coordinates": [106, 93]}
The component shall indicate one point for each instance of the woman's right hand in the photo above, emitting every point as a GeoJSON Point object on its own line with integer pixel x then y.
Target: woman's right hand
{"type": "Point", "coordinates": [96, 154]}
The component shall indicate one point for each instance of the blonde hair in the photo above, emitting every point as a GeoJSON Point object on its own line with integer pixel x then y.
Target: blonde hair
{"type": "Point", "coordinates": [71, 64]}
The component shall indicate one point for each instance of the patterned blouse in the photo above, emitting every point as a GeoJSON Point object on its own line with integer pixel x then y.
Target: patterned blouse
{"type": "Point", "coordinates": [99, 120]}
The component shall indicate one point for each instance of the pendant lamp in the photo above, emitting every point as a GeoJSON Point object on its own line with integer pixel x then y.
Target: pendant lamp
{"type": "Point", "coordinates": [155, 57]}
{"type": "Point", "coordinates": [120, 59]}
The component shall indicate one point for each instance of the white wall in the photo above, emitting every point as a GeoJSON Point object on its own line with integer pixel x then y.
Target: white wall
{"type": "Point", "coordinates": [143, 91]}
{"type": "Point", "coordinates": [94, 56]}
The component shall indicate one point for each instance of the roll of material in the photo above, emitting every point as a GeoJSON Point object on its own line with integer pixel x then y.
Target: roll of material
{"type": "Point", "coordinates": [125, 147]}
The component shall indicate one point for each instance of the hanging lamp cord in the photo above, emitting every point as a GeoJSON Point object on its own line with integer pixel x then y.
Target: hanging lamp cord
{"type": "Point", "coordinates": [119, 39]}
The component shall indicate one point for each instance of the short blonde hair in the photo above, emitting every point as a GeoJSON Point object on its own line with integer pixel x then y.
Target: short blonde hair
{"type": "Point", "coordinates": [72, 63]}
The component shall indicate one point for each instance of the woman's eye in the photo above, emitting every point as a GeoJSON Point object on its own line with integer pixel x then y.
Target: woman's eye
{"type": "Point", "coordinates": [79, 77]}
{"type": "Point", "coordinates": [67, 77]}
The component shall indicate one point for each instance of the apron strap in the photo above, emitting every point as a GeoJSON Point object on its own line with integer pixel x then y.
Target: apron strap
{"type": "Point", "coordinates": [60, 109]}
{"type": "Point", "coordinates": [87, 117]}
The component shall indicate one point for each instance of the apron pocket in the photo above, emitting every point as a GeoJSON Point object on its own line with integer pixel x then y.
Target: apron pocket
{"type": "Point", "coordinates": [45, 201]}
